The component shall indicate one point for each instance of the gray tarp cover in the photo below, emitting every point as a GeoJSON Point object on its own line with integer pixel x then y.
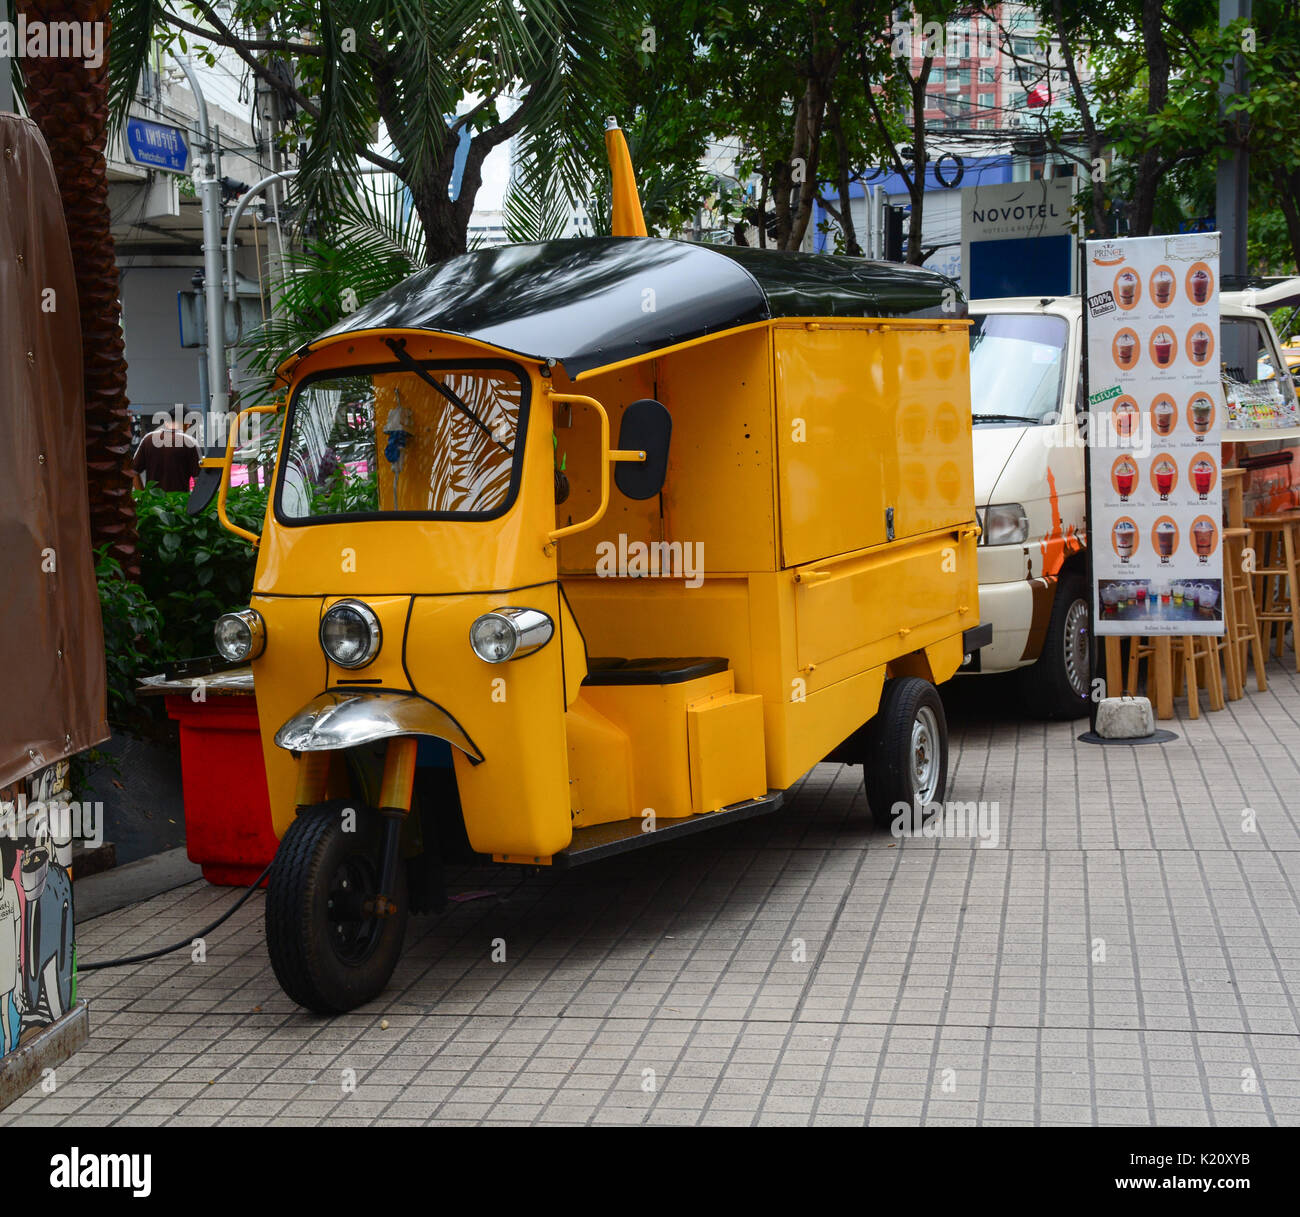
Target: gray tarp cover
{"type": "Point", "coordinates": [51, 706]}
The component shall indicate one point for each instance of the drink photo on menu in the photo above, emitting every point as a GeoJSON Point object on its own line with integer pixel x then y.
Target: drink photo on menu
{"type": "Point", "coordinates": [1162, 287]}
{"type": "Point", "coordinates": [1126, 349]}
{"type": "Point", "coordinates": [1124, 536]}
{"type": "Point", "coordinates": [1124, 414]}
{"type": "Point", "coordinates": [1200, 413]}
{"type": "Point", "coordinates": [1124, 477]}
{"type": "Point", "coordinates": [1204, 475]}
{"type": "Point", "coordinates": [1200, 283]}
{"type": "Point", "coordinates": [1164, 415]}
{"type": "Point", "coordinates": [1205, 536]}
{"type": "Point", "coordinates": [1164, 537]}
{"type": "Point", "coordinates": [1164, 476]}
{"type": "Point", "coordinates": [1164, 346]}
{"type": "Point", "coordinates": [1200, 345]}
{"type": "Point", "coordinates": [1128, 289]}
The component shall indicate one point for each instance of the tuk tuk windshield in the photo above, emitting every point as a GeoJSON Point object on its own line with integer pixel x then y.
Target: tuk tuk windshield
{"type": "Point", "coordinates": [441, 444]}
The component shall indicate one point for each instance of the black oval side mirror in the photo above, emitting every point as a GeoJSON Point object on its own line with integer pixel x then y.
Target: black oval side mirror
{"type": "Point", "coordinates": [646, 426]}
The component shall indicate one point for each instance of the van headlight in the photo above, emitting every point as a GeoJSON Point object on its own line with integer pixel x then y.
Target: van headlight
{"type": "Point", "coordinates": [350, 633]}
{"type": "Point", "coordinates": [1005, 524]}
{"type": "Point", "coordinates": [240, 636]}
{"type": "Point", "coordinates": [509, 633]}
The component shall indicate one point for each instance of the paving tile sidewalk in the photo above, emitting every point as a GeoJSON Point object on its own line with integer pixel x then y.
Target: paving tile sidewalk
{"type": "Point", "coordinates": [1127, 952]}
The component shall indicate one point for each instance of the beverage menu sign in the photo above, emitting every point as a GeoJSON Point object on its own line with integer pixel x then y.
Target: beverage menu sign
{"type": "Point", "coordinates": [1155, 404]}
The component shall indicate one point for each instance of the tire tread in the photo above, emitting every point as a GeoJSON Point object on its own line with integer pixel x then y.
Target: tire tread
{"type": "Point", "coordinates": [295, 874]}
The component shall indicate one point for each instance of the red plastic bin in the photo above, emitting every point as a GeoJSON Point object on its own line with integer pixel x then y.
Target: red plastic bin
{"type": "Point", "coordinates": [227, 808]}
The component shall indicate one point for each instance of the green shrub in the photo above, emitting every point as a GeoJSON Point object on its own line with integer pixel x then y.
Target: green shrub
{"type": "Point", "coordinates": [193, 569]}
{"type": "Point", "coordinates": [132, 632]}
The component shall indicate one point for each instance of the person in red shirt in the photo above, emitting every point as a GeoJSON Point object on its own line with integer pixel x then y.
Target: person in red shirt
{"type": "Point", "coordinates": [167, 458]}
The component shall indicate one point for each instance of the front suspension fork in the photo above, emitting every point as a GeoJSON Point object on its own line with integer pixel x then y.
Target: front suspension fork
{"type": "Point", "coordinates": [394, 806]}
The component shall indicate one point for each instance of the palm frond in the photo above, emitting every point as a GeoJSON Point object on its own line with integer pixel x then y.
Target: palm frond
{"type": "Point", "coordinates": [130, 42]}
{"type": "Point", "coordinates": [372, 241]}
{"type": "Point", "coordinates": [536, 207]}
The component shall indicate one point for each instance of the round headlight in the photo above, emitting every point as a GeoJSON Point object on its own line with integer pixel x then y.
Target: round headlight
{"type": "Point", "coordinates": [509, 633]}
{"type": "Point", "coordinates": [240, 636]}
{"type": "Point", "coordinates": [350, 634]}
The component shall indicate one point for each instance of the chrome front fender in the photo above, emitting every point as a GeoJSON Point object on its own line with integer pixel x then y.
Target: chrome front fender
{"type": "Point", "coordinates": [344, 719]}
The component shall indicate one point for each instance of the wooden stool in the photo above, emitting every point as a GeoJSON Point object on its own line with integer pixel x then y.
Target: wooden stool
{"type": "Point", "coordinates": [1276, 542]}
{"type": "Point", "coordinates": [1203, 650]}
{"type": "Point", "coordinates": [1158, 652]}
{"type": "Point", "coordinates": [1240, 625]}
{"type": "Point", "coordinates": [1140, 647]}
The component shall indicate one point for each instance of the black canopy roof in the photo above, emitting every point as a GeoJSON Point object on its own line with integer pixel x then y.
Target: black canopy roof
{"type": "Point", "coordinates": [594, 301]}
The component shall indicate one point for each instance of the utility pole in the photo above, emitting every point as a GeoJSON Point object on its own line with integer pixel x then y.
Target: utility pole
{"type": "Point", "coordinates": [218, 397]}
{"type": "Point", "coordinates": [1232, 194]}
{"type": "Point", "coordinates": [270, 121]}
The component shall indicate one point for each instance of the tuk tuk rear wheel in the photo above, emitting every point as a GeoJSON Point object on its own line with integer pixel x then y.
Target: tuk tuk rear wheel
{"type": "Point", "coordinates": [329, 952]}
{"type": "Point", "coordinates": [906, 754]}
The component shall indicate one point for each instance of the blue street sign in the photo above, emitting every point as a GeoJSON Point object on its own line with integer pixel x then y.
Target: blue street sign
{"type": "Point", "coordinates": [156, 146]}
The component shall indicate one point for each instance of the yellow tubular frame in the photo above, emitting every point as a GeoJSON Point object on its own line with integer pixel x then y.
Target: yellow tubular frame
{"type": "Point", "coordinates": [251, 537]}
{"type": "Point", "coordinates": [607, 455]}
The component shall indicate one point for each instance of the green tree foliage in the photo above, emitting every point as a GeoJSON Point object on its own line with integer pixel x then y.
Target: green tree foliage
{"type": "Point", "coordinates": [1153, 104]}
{"type": "Point", "coordinates": [393, 84]}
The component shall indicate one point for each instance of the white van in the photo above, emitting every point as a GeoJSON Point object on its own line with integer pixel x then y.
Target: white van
{"type": "Point", "coordinates": [1026, 388]}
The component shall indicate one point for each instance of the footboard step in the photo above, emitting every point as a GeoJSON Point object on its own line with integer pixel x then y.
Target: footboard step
{"type": "Point", "coordinates": [606, 840]}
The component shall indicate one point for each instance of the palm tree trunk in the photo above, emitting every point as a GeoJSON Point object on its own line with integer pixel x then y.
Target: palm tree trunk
{"type": "Point", "coordinates": [69, 102]}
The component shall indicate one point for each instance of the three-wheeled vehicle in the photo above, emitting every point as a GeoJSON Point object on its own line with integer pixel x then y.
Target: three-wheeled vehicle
{"type": "Point", "coordinates": [614, 660]}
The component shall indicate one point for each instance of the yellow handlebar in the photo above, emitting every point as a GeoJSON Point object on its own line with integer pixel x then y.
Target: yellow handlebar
{"type": "Point", "coordinates": [606, 456]}
{"type": "Point", "coordinates": [224, 484]}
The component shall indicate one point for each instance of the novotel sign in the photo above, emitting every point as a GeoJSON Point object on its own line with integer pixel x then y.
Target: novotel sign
{"type": "Point", "coordinates": [1018, 238]}
{"type": "Point", "coordinates": [156, 146]}
{"type": "Point", "coordinates": [1000, 215]}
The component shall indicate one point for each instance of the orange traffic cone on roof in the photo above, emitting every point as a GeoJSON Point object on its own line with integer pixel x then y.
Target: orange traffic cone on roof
{"type": "Point", "coordinates": [627, 218]}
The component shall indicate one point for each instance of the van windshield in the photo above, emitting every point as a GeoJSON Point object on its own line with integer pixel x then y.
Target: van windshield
{"type": "Point", "coordinates": [1017, 363]}
{"type": "Point", "coordinates": [442, 445]}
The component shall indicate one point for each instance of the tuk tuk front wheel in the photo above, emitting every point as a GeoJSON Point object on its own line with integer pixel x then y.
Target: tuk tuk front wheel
{"type": "Point", "coordinates": [330, 951]}
{"type": "Point", "coordinates": [906, 755]}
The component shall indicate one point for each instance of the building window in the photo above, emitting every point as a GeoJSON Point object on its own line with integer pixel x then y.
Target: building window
{"type": "Point", "coordinates": [988, 76]}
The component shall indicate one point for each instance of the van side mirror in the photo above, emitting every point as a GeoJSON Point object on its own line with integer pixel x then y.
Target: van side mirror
{"type": "Point", "coordinates": [647, 427]}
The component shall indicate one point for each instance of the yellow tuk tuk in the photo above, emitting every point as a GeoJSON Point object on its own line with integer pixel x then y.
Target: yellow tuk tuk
{"type": "Point", "coordinates": [782, 566]}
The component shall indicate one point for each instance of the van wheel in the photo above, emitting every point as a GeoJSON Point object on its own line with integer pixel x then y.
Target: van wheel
{"type": "Point", "coordinates": [905, 758]}
{"type": "Point", "coordinates": [328, 951]}
{"type": "Point", "coordinates": [1057, 684]}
